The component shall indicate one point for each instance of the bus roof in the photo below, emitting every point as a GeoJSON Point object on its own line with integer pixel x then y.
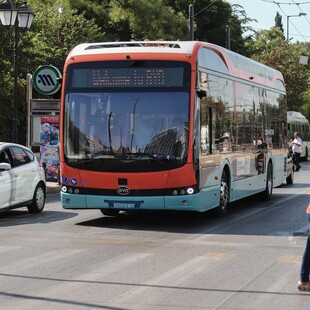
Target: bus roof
{"type": "Point", "coordinates": [233, 61]}
{"type": "Point", "coordinates": [296, 117]}
{"type": "Point", "coordinates": [134, 47]}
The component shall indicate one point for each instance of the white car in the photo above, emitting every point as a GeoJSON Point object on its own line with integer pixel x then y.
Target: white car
{"type": "Point", "coordinates": [22, 179]}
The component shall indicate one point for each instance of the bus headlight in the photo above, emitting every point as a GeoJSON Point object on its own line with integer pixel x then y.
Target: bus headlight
{"type": "Point", "coordinates": [64, 189]}
{"type": "Point", "coordinates": [190, 191]}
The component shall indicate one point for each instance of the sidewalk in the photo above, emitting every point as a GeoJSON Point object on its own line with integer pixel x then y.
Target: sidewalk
{"type": "Point", "coordinates": [52, 187]}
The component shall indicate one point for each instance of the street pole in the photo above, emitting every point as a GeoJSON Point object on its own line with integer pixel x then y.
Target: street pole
{"type": "Point", "coordinates": [287, 26]}
{"type": "Point", "coordinates": [228, 37]}
{"type": "Point", "coordinates": [18, 17]}
{"type": "Point", "coordinates": [29, 110]}
{"type": "Point", "coordinates": [288, 23]}
{"type": "Point", "coordinates": [191, 22]}
{"type": "Point", "coordinates": [15, 95]}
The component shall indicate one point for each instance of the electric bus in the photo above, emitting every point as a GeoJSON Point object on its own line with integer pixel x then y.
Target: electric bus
{"type": "Point", "coordinates": [299, 123]}
{"type": "Point", "coordinates": [161, 125]}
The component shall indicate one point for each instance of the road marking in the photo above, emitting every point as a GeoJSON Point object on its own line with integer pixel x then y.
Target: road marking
{"type": "Point", "coordinates": [62, 288]}
{"type": "Point", "coordinates": [289, 259]}
{"type": "Point", "coordinates": [37, 260]}
{"type": "Point", "coordinates": [216, 255]}
{"type": "Point", "coordinates": [7, 248]}
{"type": "Point", "coordinates": [172, 277]}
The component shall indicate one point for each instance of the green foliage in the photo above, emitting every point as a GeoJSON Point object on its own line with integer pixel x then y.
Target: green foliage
{"type": "Point", "coordinates": [270, 48]}
{"type": "Point", "coordinates": [125, 20]}
{"type": "Point", "coordinates": [240, 32]}
{"type": "Point", "coordinates": [278, 22]}
{"type": "Point", "coordinates": [52, 35]}
{"type": "Point", "coordinates": [59, 25]}
{"type": "Point", "coordinates": [56, 30]}
{"type": "Point", "coordinates": [211, 20]}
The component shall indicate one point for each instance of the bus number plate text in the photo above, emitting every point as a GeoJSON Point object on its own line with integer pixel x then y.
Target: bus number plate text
{"type": "Point", "coordinates": [124, 205]}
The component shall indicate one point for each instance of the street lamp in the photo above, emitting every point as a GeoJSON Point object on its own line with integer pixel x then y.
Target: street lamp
{"type": "Point", "coordinates": [287, 23]}
{"type": "Point", "coordinates": [19, 17]}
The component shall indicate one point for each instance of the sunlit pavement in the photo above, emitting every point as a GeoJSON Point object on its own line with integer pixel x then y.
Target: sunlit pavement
{"type": "Point", "coordinates": [52, 187]}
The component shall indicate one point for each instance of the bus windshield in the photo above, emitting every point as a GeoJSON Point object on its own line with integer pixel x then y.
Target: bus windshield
{"type": "Point", "coordinates": [126, 131]}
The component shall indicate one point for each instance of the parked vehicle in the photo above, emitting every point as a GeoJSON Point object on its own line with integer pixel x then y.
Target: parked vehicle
{"type": "Point", "coordinates": [22, 179]}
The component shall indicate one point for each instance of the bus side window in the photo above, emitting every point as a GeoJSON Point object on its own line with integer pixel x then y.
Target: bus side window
{"type": "Point", "coordinates": [205, 127]}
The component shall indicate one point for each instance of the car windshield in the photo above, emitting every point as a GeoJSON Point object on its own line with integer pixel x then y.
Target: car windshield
{"type": "Point", "coordinates": [126, 131]}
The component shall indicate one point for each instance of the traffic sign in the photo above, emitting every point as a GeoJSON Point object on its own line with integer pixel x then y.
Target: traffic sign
{"type": "Point", "coordinates": [45, 79]}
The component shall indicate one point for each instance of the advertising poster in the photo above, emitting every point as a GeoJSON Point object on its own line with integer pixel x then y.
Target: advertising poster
{"type": "Point", "coordinates": [49, 146]}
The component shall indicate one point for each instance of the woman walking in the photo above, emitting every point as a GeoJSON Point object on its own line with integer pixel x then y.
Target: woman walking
{"type": "Point", "coordinates": [304, 283]}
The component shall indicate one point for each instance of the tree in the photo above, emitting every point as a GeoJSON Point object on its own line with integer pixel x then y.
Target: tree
{"type": "Point", "coordinates": [6, 82]}
{"type": "Point", "coordinates": [126, 20]}
{"type": "Point", "coordinates": [272, 49]}
{"type": "Point", "coordinates": [212, 19]}
{"type": "Point", "coordinates": [56, 29]}
{"type": "Point", "coordinates": [278, 22]}
{"type": "Point", "coordinates": [242, 32]}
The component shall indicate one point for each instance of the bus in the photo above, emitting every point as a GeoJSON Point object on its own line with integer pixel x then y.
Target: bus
{"type": "Point", "coordinates": [162, 125]}
{"type": "Point", "coordinates": [296, 122]}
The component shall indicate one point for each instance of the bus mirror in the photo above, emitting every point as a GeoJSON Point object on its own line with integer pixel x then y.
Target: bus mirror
{"type": "Point", "coordinates": [201, 93]}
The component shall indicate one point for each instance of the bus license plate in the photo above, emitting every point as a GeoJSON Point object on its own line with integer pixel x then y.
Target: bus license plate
{"type": "Point", "coordinates": [121, 205]}
{"type": "Point", "coordinates": [124, 205]}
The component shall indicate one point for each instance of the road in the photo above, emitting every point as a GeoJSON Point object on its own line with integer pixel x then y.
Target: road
{"type": "Point", "coordinates": [67, 259]}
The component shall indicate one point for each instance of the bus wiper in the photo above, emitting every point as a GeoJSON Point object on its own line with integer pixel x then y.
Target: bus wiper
{"type": "Point", "coordinates": [83, 162]}
{"type": "Point", "coordinates": [88, 161]}
{"type": "Point", "coordinates": [153, 157]}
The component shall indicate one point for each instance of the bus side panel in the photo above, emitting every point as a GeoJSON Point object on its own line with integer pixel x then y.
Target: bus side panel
{"type": "Point", "coordinates": [72, 201]}
{"type": "Point", "coordinates": [247, 187]}
{"type": "Point", "coordinates": [206, 199]}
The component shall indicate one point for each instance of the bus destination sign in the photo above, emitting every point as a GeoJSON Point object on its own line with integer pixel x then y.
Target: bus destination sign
{"type": "Point", "coordinates": [128, 77]}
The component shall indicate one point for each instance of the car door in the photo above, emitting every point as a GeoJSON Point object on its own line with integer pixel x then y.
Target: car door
{"type": "Point", "coordinates": [26, 171]}
{"type": "Point", "coordinates": [8, 182]}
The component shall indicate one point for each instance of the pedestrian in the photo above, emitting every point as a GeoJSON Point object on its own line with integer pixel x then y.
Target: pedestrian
{"type": "Point", "coordinates": [296, 148]}
{"type": "Point", "coordinates": [303, 283]}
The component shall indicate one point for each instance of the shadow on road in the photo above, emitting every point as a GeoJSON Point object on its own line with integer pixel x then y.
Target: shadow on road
{"type": "Point", "coordinates": [250, 216]}
{"type": "Point", "coordinates": [23, 217]}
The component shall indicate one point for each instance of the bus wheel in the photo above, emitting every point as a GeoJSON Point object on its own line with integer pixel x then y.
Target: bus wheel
{"type": "Point", "coordinates": [109, 212]}
{"type": "Point", "coordinates": [267, 193]}
{"type": "Point", "coordinates": [224, 198]}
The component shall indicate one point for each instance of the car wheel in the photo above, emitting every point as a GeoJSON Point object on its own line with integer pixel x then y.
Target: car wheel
{"type": "Point", "coordinates": [38, 200]}
{"type": "Point", "coordinates": [290, 178]}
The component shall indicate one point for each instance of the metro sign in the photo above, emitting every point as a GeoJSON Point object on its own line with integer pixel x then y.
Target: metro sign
{"type": "Point", "coordinates": [45, 80]}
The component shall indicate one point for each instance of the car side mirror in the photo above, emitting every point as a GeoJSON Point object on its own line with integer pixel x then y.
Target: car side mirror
{"type": "Point", "coordinates": [5, 167]}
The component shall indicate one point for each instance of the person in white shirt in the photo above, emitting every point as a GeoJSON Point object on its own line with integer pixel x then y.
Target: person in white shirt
{"type": "Point", "coordinates": [296, 148]}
